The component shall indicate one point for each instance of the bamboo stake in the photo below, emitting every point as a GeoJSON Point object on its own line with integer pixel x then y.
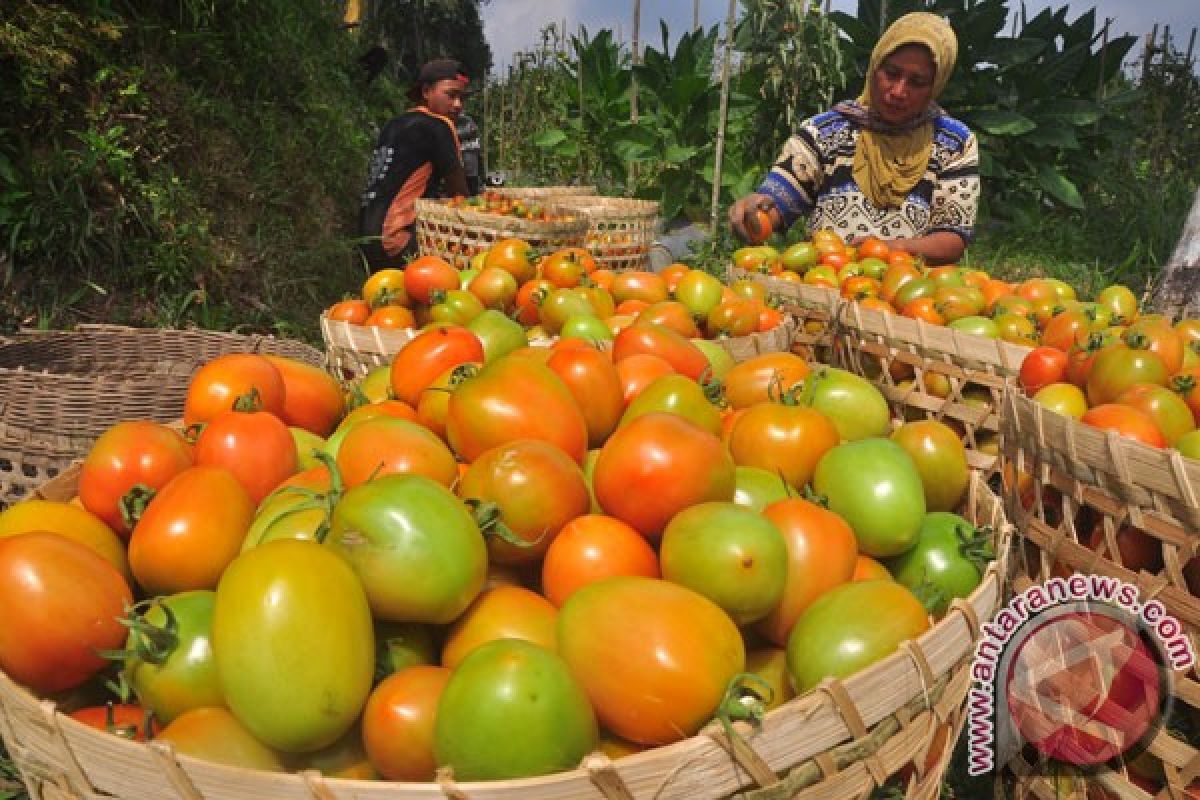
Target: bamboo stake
{"type": "Point", "coordinates": [720, 152]}
{"type": "Point", "coordinates": [1187, 60]}
{"type": "Point", "coordinates": [486, 130]}
{"type": "Point", "coordinates": [631, 174]}
{"type": "Point", "coordinates": [1150, 40]}
{"type": "Point", "coordinates": [582, 117]}
{"type": "Point", "coordinates": [695, 15]}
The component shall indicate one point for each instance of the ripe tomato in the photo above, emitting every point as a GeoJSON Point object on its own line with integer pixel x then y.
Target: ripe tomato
{"type": "Point", "coordinates": [671, 314]}
{"type": "Point", "coordinates": [312, 398]}
{"type": "Point", "coordinates": [1117, 368]}
{"type": "Point", "coordinates": [647, 287]}
{"type": "Point", "coordinates": [1168, 411]}
{"type": "Point", "coordinates": [127, 720]}
{"type": "Point", "coordinates": [430, 354]}
{"type": "Point", "coordinates": [753, 380]}
{"type": "Point", "coordinates": [787, 440]}
{"type": "Point", "coordinates": [426, 276]}
{"type": "Point", "coordinates": [851, 627]}
{"type": "Point", "coordinates": [533, 487]}
{"type": "Point", "coordinates": [254, 446]}
{"type": "Point", "coordinates": [1187, 385]}
{"type": "Point", "coordinates": [566, 268]}
{"type": "Point", "coordinates": [656, 676]}
{"type": "Point", "coordinates": [941, 461]}
{"type": "Point", "coordinates": [391, 317]}
{"type": "Point", "coordinates": [217, 385]}
{"type": "Point", "coordinates": [821, 551]}
{"type": "Point", "coordinates": [1158, 337]}
{"type": "Point", "coordinates": [732, 555]}
{"type": "Point", "coordinates": [1126, 421]}
{"type": "Point", "coordinates": [593, 380]}
{"type": "Point", "coordinates": [215, 734]}
{"type": "Point", "coordinates": [590, 548]}
{"type": "Point", "coordinates": [62, 603]}
{"type": "Point", "coordinates": [1042, 366]}
{"type": "Point", "coordinates": [414, 545]}
{"type": "Point", "coordinates": [514, 256]}
{"type": "Point", "coordinates": [638, 371]}
{"type": "Point", "coordinates": [514, 398]}
{"type": "Point", "coordinates": [505, 612]}
{"type": "Point", "coordinates": [510, 685]}
{"type": "Point", "coordinates": [672, 274]}
{"type": "Point", "coordinates": [435, 398]}
{"type": "Point", "coordinates": [397, 727]}
{"type": "Point", "coordinates": [658, 465]}
{"type": "Point", "coordinates": [353, 311]}
{"type": "Point", "coordinates": [683, 356]}
{"type": "Point", "coordinates": [69, 520]}
{"type": "Point", "coordinates": [385, 287]}
{"type": "Point", "coordinates": [496, 288]}
{"type": "Point", "coordinates": [389, 446]}
{"type": "Point", "coordinates": [735, 317]}
{"type": "Point", "coordinates": [1065, 329]}
{"type": "Point", "coordinates": [868, 569]}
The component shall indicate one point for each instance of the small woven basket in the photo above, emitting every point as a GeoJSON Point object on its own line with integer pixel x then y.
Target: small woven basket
{"type": "Point", "coordinates": [813, 308]}
{"type": "Point", "coordinates": [355, 350]}
{"type": "Point", "coordinates": [1090, 501]}
{"type": "Point", "coordinates": [840, 740]}
{"type": "Point", "coordinates": [620, 229]}
{"type": "Point", "coordinates": [777, 340]}
{"type": "Point", "coordinates": [59, 390]}
{"type": "Point", "coordinates": [458, 234]}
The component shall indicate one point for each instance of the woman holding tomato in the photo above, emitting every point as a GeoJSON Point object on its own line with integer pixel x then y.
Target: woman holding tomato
{"type": "Point", "coordinates": [891, 164]}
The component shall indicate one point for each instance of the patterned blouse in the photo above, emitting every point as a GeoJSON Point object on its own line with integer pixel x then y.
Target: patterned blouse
{"type": "Point", "coordinates": [814, 176]}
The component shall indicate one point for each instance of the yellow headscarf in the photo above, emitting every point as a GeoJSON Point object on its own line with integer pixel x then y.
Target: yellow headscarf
{"type": "Point", "coordinates": [888, 165]}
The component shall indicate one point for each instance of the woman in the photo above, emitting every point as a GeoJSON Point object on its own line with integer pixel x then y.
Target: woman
{"type": "Point", "coordinates": [891, 165]}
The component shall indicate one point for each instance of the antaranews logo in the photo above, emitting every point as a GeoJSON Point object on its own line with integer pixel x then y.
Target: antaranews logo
{"type": "Point", "coordinates": [1078, 667]}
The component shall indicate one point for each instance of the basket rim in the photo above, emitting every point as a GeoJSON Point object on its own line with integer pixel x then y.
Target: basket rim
{"type": "Point", "coordinates": [432, 211]}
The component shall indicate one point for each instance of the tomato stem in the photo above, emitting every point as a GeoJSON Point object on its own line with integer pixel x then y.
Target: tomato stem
{"type": "Point", "coordinates": [133, 503]}
{"type": "Point", "coordinates": [250, 402]}
{"type": "Point", "coordinates": [744, 701]}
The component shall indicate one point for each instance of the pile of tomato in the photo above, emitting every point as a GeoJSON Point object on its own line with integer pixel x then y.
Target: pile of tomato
{"type": "Point", "coordinates": [491, 202]}
{"type": "Point", "coordinates": [497, 562]}
{"type": "Point", "coordinates": [563, 293]}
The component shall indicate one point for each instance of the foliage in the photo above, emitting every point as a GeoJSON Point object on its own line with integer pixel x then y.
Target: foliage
{"type": "Point", "coordinates": [446, 29]}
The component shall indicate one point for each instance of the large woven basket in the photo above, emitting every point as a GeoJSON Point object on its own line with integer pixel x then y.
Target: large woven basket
{"type": "Point", "coordinates": [458, 234]}
{"type": "Point", "coordinates": [838, 741]}
{"type": "Point", "coordinates": [355, 350]}
{"type": "Point", "coordinates": [59, 390]}
{"type": "Point", "coordinates": [544, 192]}
{"type": "Point", "coordinates": [620, 229]}
{"type": "Point", "coordinates": [1076, 479]}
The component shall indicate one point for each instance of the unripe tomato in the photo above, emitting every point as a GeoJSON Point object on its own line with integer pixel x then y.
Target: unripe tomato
{"type": "Point", "coordinates": [941, 461]}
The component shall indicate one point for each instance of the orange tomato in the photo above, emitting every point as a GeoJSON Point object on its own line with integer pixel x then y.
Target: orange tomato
{"type": "Point", "coordinates": [353, 311]}
{"type": "Point", "coordinates": [398, 722]}
{"type": "Point", "coordinates": [872, 247]}
{"type": "Point", "coordinates": [751, 381]}
{"type": "Point", "coordinates": [386, 445]}
{"type": "Point", "coordinates": [505, 612]}
{"type": "Point", "coordinates": [312, 398]}
{"type": "Point", "coordinates": [591, 548]}
{"type": "Point", "coordinates": [391, 317]}
{"type": "Point", "coordinates": [639, 370]}
{"type": "Point", "coordinates": [672, 274]}
{"type": "Point", "coordinates": [868, 569]}
{"type": "Point", "coordinates": [639, 285]}
{"type": "Point", "coordinates": [385, 287]}
{"type": "Point", "coordinates": [430, 354]}
{"type": "Point", "coordinates": [1126, 421]}
{"type": "Point", "coordinates": [217, 385]}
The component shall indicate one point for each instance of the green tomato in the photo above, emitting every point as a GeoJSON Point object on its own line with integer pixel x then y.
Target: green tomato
{"type": "Point", "coordinates": [757, 488]}
{"type": "Point", "coordinates": [499, 334]}
{"type": "Point", "coordinates": [1189, 444]}
{"type": "Point", "coordinates": [588, 327]}
{"type": "Point", "coordinates": [512, 709]}
{"type": "Point", "coordinates": [182, 675]}
{"type": "Point", "coordinates": [851, 627]}
{"type": "Point", "coordinates": [675, 394]}
{"type": "Point", "coordinates": [400, 645]}
{"type": "Point", "coordinates": [977, 326]}
{"type": "Point", "coordinates": [307, 444]}
{"type": "Point", "coordinates": [560, 305]}
{"type": "Point", "coordinates": [719, 359]}
{"type": "Point", "coordinates": [465, 276]}
{"type": "Point", "coordinates": [800, 256]}
{"type": "Point", "coordinates": [414, 545]}
{"type": "Point", "coordinates": [699, 292]}
{"type": "Point", "coordinates": [855, 406]}
{"type": "Point", "coordinates": [732, 555]}
{"type": "Point", "coordinates": [589, 470]}
{"type": "Point", "coordinates": [874, 485]}
{"type": "Point", "coordinates": [293, 642]}
{"type": "Point", "coordinates": [946, 562]}
{"type": "Point", "coordinates": [456, 307]}
{"type": "Point", "coordinates": [873, 267]}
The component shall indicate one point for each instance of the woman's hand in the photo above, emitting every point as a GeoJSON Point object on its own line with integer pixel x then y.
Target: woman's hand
{"type": "Point", "coordinates": [748, 206]}
{"type": "Point", "coordinates": [939, 247]}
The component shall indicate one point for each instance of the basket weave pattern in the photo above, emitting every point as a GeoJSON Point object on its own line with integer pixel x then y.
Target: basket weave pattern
{"type": "Point", "coordinates": [620, 230]}
{"type": "Point", "coordinates": [458, 234]}
{"type": "Point", "coordinates": [355, 350]}
{"type": "Point", "coordinates": [544, 192]}
{"type": "Point", "coordinates": [838, 741]}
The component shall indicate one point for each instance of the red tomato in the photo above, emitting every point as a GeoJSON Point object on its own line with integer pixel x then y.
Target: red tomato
{"type": "Point", "coordinates": [126, 720]}
{"type": "Point", "coordinates": [254, 446]}
{"type": "Point", "coordinates": [658, 465]}
{"type": "Point", "coordinates": [591, 548]}
{"type": "Point", "coordinates": [638, 371]}
{"type": "Point", "coordinates": [390, 446]}
{"type": "Point", "coordinates": [430, 354]}
{"type": "Point", "coordinates": [190, 531]}
{"type": "Point", "coordinates": [218, 384]}
{"type": "Point", "coordinates": [1117, 368]}
{"type": "Point", "coordinates": [595, 383]}
{"type": "Point", "coordinates": [62, 603]}
{"type": "Point", "coordinates": [1126, 421]}
{"type": "Point", "coordinates": [1169, 412]}
{"type": "Point", "coordinates": [1042, 366]}
{"type": "Point", "coordinates": [683, 356]}
{"type": "Point", "coordinates": [398, 722]}
{"type": "Point", "coordinates": [655, 676]}
{"type": "Point", "coordinates": [753, 380]}
{"type": "Point", "coordinates": [353, 311]}
{"type": "Point", "coordinates": [505, 612]}
{"type": "Point", "coordinates": [129, 454]}
{"type": "Point", "coordinates": [428, 275]}
{"type": "Point", "coordinates": [312, 398]}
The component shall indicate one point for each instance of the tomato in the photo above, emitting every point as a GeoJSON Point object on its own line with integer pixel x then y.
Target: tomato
{"type": "Point", "coordinates": [732, 318]}
{"type": "Point", "coordinates": [127, 720]}
{"type": "Point", "coordinates": [455, 307]}
{"type": "Point", "coordinates": [496, 288]}
{"type": "Point", "coordinates": [190, 531]}
{"type": "Point", "coordinates": [353, 311]}
{"type": "Point", "coordinates": [675, 394]}
{"type": "Point", "coordinates": [648, 287]}
{"type": "Point", "coordinates": [593, 380]}
{"type": "Point", "coordinates": [392, 318]}
{"type": "Point", "coordinates": [1187, 385]}
{"type": "Point", "coordinates": [69, 520]}
{"type": "Point", "coordinates": [941, 461]}
{"type": "Point", "coordinates": [398, 721]}
{"type": "Point", "coordinates": [868, 569]}
{"type": "Point", "coordinates": [672, 274]}
{"type": "Point", "coordinates": [1189, 446]}
{"type": "Point", "coordinates": [390, 446]}
{"type": "Point", "coordinates": [560, 305]}
{"type": "Point", "coordinates": [586, 328]}
{"type": "Point", "coordinates": [1116, 369]}
{"type": "Point", "coordinates": [414, 545]}
{"type": "Point", "coordinates": [857, 408]}
{"type": "Point", "coordinates": [172, 669]}
{"type": "Point", "coordinates": [1041, 367]}
{"type": "Point", "coordinates": [505, 612]}
{"type": "Point", "coordinates": [62, 602]}
{"type": "Point", "coordinates": [947, 561]}
{"type": "Point", "coordinates": [312, 398]}
{"type": "Point", "coordinates": [1159, 338]}
{"type": "Point", "coordinates": [874, 485]}
{"type": "Point", "coordinates": [770, 665]}
{"type": "Point", "coordinates": [215, 734]}
{"type": "Point", "coordinates": [683, 356]}
{"type": "Point", "coordinates": [699, 293]}
{"type": "Point", "coordinates": [294, 603]}
{"type": "Point", "coordinates": [510, 686]}
{"type": "Point", "coordinates": [762, 259]}
{"type": "Point", "coordinates": [656, 676]}
{"type": "Point", "coordinates": [533, 488]}
{"type": "Point", "coordinates": [638, 371]}
{"type": "Point", "coordinates": [851, 627]}
{"type": "Point", "coordinates": [658, 465]}
{"type": "Point", "coordinates": [430, 354]}
{"type": "Point", "coordinates": [426, 278]}
{"type": "Point", "coordinates": [131, 454]}
{"type": "Point", "coordinates": [590, 548]}
{"type": "Point", "coordinates": [671, 314]}
{"type": "Point", "coordinates": [566, 268]}
{"type": "Point", "coordinates": [307, 445]}
{"type": "Point", "coordinates": [1063, 398]}
{"type": "Point", "coordinates": [913, 290]}
{"type": "Point", "coordinates": [757, 488]}
{"type": "Point", "coordinates": [821, 550]}
{"type": "Point", "coordinates": [799, 256]}
{"type": "Point", "coordinates": [385, 287]}
{"type": "Point", "coordinates": [1165, 408]}
{"type": "Point", "coordinates": [1136, 551]}
{"type": "Point", "coordinates": [511, 255]}
{"type": "Point", "coordinates": [763, 377]}
{"type": "Point", "coordinates": [976, 326]}
{"type": "Point", "coordinates": [217, 385]}
{"type": "Point", "coordinates": [514, 399]}
{"type": "Point", "coordinates": [787, 440]}
{"type": "Point", "coordinates": [399, 645]}
{"type": "Point", "coordinates": [346, 758]}
{"type": "Point", "coordinates": [1126, 421]}
{"type": "Point", "coordinates": [254, 446]}
{"type": "Point", "coordinates": [730, 554]}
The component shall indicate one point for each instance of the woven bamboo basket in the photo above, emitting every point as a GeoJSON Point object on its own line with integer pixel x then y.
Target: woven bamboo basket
{"type": "Point", "coordinates": [813, 308]}
{"type": "Point", "coordinates": [621, 230]}
{"type": "Point", "coordinates": [544, 192]}
{"type": "Point", "coordinates": [457, 234]}
{"type": "Point", "coordinates": [1081, 486]}
{"type": "Point", "coordinates": [777, 340]}
{"type": "Point", "coordinates": [59, 390]}
{"type": "Point", "coordinates": [354, 350]}
{"type": "Point", "coordinates": [838, 741]}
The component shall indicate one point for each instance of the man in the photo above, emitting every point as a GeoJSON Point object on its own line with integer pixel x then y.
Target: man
{"type": "Point", "coordinates": [418, 155]}
{"type": "Point", "coordinates": [472, 153]}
